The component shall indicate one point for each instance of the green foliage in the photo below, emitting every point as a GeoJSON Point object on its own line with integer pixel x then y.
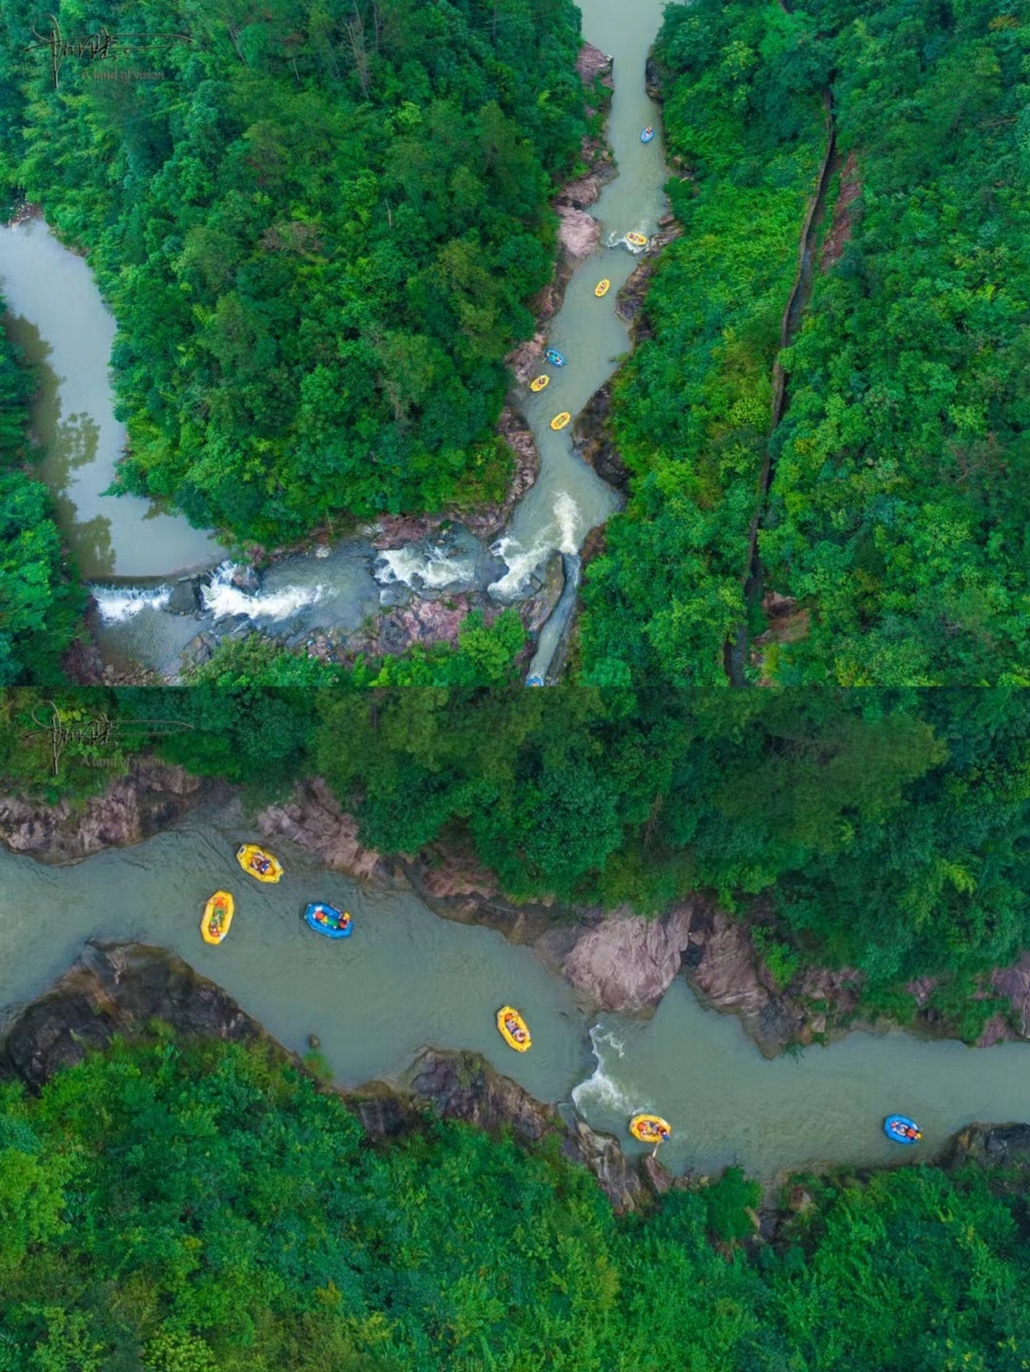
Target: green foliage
{"type": "Point", "coordinates": [692, 407]}
{"type": "Point", "coordinates": [317, 232]}
{"type": "Point", "coordinates": [92, 743]}
{"type": "Point", "coordinates": [40, 607]}
{"type": "Point", "coordinates": [484, 655]}
{"type": "Point", "coordinates": [220, 1213]}
{"type": "Point", "coordinates": [727, 1204]}
{"type": "Point", "coordinates": [898, 506]}
{"type": "Point", "coordinates": [898, 510]}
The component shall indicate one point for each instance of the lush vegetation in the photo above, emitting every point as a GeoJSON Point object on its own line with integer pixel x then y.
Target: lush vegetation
{"type": "Point", "coordinates": [884, 831]}
{"type": "Point", "coordinates": [484, 656]}
{"type": "Point", "coordinates": [197, 1207]}
{"type": "Point", "coordinates": [317, 231]}
{"type": "Point", "coordinates": [40, 608]}
{"type": "Point", "coordinates": [900, 501]}
{"type": "Point", "coordinates": [692, 407]}
{"type": "Point", "coordinates": [898, 506]}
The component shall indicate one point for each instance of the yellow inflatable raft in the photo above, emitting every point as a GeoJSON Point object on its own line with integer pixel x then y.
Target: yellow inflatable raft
{"type": "Point", "coordinates": [649, 1128]}
{"type": "Point", "coordinates": [513, 1029]}
{"type": "Point", "coordinates": [538, 383]}
{"type": "Point", "coordinates": [257, 863]}
{"type": "Point", "coordinates": [560, 420]}
{"type": "Point", "coordinates": [218, 914]}
{"type": "Point", "coordinates": [637, 239]}
{"type": "Point", "coordinates": [602, 287]}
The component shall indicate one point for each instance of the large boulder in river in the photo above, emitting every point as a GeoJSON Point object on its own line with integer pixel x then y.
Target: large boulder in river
{"type": "Point", "coordinates": [185, 597]}
{"type": "Point", "coordinates": [579, 234]}
{"type": "Point", "coordinates": [628, 963]}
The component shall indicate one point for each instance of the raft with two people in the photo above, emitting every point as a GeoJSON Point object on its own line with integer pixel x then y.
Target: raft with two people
{"type": "Point", "coordinates": [647, 135]}
{"type": "Point", "coordinates": [513, 1029]}
{"type": "Point", "coordinates": [900, 1129]}
{"type": "Point", "coordinates": [257, 863]}
{"type": "Point", "coordinates": [560, 420]}
{"type": "Point", "coordinates": [602, 287]}
{"type": "Point", "coordinates": [539, 382]}
{"type": "Point", "coordinates": [217, 916]}
{"type": "Point", "coordinates": [638, 240]}
{"type": "Point", "coordinates": [326, 919]}
{"type": "Point", "coordinates": [555, 358]}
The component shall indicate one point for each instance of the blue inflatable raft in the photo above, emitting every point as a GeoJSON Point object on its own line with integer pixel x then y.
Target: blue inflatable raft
{"type": "Point", "coordinates": [325, 919]}
{"type": "Point", "coordinates": [555, 358]}
{"type": "Point", "coordinates": [647, 135]}
{"type": "Point", "coordinates": [900, 1129]}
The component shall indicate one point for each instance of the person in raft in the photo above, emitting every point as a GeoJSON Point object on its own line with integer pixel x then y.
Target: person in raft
{"type": "Point", "coordinates": [519, 1035]}
{"type": "Point", "coordinates": [261, 864]}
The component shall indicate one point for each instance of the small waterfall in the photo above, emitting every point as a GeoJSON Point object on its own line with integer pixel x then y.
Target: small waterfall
{"type": "Point", "coordinates": [223, 600]}
{"type": "Point", "coordinates": [116, 604]}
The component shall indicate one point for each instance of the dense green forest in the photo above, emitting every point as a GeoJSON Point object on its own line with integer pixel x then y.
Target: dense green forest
{"type": "Point", "coordinates": [887, 831]}
{"type": "Point", "coordinates": [199, 1207]}
{"type": "Point", "coordinates": [901, 495]}
{"type": "Point", "coordinates": [743, 112]}
{"type": "Point", "coordinates": [898, 506]}
{"type": "Point", "coordinates": [317, 232]}
{"type": "Point", "coordinates": [40, 607]}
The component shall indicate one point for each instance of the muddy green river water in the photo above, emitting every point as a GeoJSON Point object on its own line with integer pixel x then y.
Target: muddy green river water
{"type": "Point", "coordinates": [407, 979]}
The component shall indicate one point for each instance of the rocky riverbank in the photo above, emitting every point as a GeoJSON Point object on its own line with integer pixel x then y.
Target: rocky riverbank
{"type": "Point", "coordinates": [150, 797]}
{"type": "Point", "coordinates": [122, 988]}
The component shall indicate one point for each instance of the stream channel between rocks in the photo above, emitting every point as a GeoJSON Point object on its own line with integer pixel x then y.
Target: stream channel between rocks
{"type": "Point", "coordinates": [135, 556]}
{"type": "Point", "coordinates": [407, 979]}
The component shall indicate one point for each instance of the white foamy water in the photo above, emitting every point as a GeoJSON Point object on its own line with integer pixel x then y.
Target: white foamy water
{"type": "Point", "coordinates": [115, 604]}
{"type": "Point", "coordinates": [435, 566]}
{"type": "Point", "coordinates": [600, 1089]}
{"type": "Point", "coordinates": [614, 241]}
{"type": "Point", "coordinates": [562, 534]}
{"type": "Point", "coordinates": [223, 599]}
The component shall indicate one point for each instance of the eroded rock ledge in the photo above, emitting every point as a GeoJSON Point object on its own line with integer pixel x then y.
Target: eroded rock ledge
{"type": "Point", "coordinates": [149, 798]}
{"type": "Point", "coordinates": [121, 988]}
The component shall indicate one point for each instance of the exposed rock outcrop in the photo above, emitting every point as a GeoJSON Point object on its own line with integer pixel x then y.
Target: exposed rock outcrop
{"type": "Point", "coordinates": [592, 65]}
{"type": "Point", "coordinates": [991, 1145]}
{"type": "Point", "coordinates": [116, 989]}
{"type": "Point", "coordinates": [843, 215]}
{"type": "Point", "coordinates": [149, 798]}
{"type": "Point", "coordinates": [314, 820]}
{"type": "Point", "coordinates": [628, 962]}
{"type": "Point", "coordinates": [185, 597]}
{"type": "Point", "coordinates": [579, 234]}
{"type": "Point", "coordinates": [1013, 982]}
{"type": "Point", "coordinates": [591, 434]}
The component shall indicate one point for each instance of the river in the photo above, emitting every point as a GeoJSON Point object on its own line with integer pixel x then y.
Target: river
{"type": "Point", "coordinates": [407, 979]}
{"type": "Point", "coordinates": [57, 316]}
{"type": "Point", "coordinates": [56, 313]}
